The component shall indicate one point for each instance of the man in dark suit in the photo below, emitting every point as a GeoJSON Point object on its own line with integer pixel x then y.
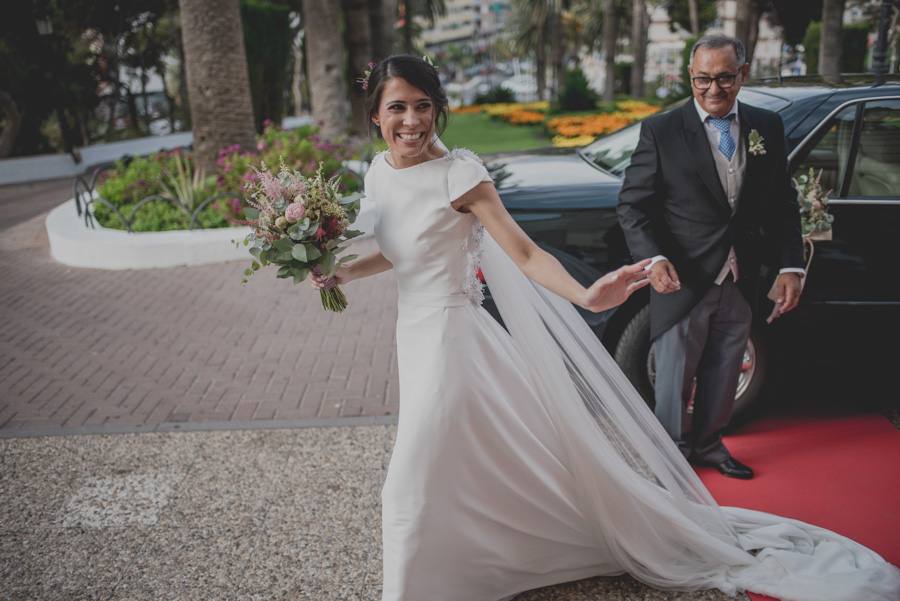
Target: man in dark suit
{"type": "Point", "coordinates": [704, 202]}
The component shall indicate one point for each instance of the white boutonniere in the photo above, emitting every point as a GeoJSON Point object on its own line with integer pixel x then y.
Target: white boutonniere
{"type": "Point", "coordinates": [756, 143]}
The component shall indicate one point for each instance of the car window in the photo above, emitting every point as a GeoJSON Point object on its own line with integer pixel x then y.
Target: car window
{"type": "Point", "coordinates": [876, 171]}
{"type": "Point", "coordinates": [828, 150]}
{"type": "Point", "coordinates": [613, 152]}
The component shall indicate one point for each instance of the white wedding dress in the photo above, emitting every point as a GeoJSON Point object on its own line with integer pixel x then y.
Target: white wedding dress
{"type": "Point", "coordinates": [525, 459]}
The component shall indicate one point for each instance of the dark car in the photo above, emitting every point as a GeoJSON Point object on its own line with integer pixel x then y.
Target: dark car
{"type": "Point", "coordinates": [566, 201]}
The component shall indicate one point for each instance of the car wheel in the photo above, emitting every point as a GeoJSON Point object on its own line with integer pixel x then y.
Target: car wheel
{"type": "Point", "coordinates": [633, 355]}
{"type": "Point", "coordinates": [632, 352]}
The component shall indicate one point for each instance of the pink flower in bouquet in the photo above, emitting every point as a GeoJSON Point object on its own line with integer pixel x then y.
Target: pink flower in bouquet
{"type": "Point", "coordinates": [816, 205]}
{"type": "Point", "coordinates": [319, 235]}
{"type": "Point", "coordinates": [295, 212]}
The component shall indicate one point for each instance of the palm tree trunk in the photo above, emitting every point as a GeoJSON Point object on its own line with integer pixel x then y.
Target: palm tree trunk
{"type": "Point", "coordinates": [830, 44]}
{"type": "Point", "coordinates": [609, 48]}
{"type": "Point", "coordinates": [358, 40]}
{"type": "Point", "coordinates": [540, 61]}
{"type": "Point", "coordinates": [325, 66]}
{"type": "Point", "coordinates": [557, 48]}
{"type": "Point", "coordinates": [217, 79]}
{"type": "Point", "coordinates": [404, 5]}
{"type": "Point", "coordinates": [639, 46]}
{"type": "Point", "coordinates": [382, 16]}
{"type": "Point", "coordinates": [694, 12]}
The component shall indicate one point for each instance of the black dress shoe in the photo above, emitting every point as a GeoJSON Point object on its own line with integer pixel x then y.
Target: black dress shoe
{"type": "Point", "coordinates": [731, 467]}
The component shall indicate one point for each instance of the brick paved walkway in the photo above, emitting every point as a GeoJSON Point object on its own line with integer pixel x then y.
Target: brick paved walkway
{"type": "Point", "coordinates": [83, 347]}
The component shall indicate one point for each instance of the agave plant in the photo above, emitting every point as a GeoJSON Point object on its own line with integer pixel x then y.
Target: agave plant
{"type": "Point", "coordinates": [186, 184]}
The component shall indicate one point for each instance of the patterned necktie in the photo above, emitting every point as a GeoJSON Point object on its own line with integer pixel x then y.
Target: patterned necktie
{"type": "Point", "coordinates": [726, 142]}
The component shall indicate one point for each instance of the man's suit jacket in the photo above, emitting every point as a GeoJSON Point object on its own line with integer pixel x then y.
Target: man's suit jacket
{"type": "Point", "coordinates": [673, 204]}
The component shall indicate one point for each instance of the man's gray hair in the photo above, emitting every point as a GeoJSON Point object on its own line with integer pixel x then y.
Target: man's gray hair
{"type": "Point", "coordinates": [717, 40]}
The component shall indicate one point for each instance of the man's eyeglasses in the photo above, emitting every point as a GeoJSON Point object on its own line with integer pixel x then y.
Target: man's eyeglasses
{"type": "Point", "coordinates": [723, 81]}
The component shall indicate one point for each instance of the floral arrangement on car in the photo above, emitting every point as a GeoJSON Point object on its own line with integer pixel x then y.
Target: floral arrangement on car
{"type": "Point", "coordinates": [301, 224]}
{"type": "Point", "coordinates": [815, 221]}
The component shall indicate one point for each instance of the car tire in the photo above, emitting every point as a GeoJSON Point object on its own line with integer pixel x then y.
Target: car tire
{"type": "Point", "coordinates": [632, 354]}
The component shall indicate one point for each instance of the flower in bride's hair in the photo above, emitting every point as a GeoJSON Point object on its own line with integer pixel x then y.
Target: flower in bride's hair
{"type": "Point", "coordinates": [295, 212]}
{"type": "Point", "coordinates": [365, 80]}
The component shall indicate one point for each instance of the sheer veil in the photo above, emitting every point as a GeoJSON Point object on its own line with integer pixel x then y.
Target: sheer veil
{"type": "Point", "coordinates": [640, 494]}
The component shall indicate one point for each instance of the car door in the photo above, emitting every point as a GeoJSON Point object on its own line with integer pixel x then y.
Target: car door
{"type": "Point", "coordinates": [851, 294]}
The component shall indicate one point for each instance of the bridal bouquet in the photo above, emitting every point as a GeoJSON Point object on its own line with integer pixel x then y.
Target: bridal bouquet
{"type": "Point", "coordinates": [300, 223]}
{"type": "Point", "coordinates": [815, 221]}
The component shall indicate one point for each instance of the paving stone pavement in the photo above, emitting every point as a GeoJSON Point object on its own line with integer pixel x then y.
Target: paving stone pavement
{"type": "Point", "coordinates": [264, 515]}
{"type": "Point", "coordinates": [86, 348]}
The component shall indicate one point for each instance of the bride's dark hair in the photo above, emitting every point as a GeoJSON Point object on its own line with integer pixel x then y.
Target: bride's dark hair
{"type": "Point", "coordinates": [417, 73]}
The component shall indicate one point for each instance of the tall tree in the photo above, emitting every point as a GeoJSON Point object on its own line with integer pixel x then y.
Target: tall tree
{"type": "Point", "coordinates": [830, 44]}
{"type": "Point", "coordinates": [639, 25]}
{"type": "Point", "coordinates": [694, 14]}
{"type": "Point", "coordinates": [746, 24]}
{"type": "Point", "coordinates": [382, 19]}
{"type": "Point", "coordinates": [528, 25]}
{"type": "Point", "coordinates": [609, 48]}
{"type": "Point", "coordinates": [556, 45]}
{"type": "Point", "coordinates": [358, 41]}
{"type": "Point", "coordinates": [794, 17]}
{"type": "Point", "coordinates": [325, 66]}
{"type": "Point", "coordinates": [218, 83]}
{"type": "Point", "coordinates": [681, 14]}
{"type": "Point", "coordinates": [426, 9]}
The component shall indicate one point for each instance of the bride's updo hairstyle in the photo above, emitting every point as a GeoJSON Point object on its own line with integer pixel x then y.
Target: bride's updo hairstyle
{"type": "Point", "coordinates": [417, 73]}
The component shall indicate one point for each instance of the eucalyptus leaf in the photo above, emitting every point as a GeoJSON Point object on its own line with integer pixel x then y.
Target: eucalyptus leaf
{"type": "Point", "coordinates": [328, 264]}
{"type": "Point", "coordinates": [300, 275]}
{"type": "Point", "coordinates": [251, 213]}
{"type": "Point", "coordinates": [283, 272]}
{"type": "Point", "coordinates": [347, 258]}
{"type": "Point", "coordinates": [256, 251]}
{"type": "Point", "coordinates": [299, 252]}
{"type": "Point", "coordinates": [254, 266]}
{"type": "Point", "coordinates": [283, 244]}
{"type": "Point", "coordinates": [312, 252]}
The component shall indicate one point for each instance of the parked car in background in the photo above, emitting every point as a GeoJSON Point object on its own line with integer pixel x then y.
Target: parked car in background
{"type": "Point", "coordinates": [566, 201]}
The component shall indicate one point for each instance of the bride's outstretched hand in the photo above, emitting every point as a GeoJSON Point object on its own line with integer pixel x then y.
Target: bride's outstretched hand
{"type": "Point", "coordinates": [615, 287]}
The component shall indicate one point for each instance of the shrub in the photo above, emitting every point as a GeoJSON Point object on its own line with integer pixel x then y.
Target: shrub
{"type": "Point", "coordinates": [576, 94]}
{"type": "Point", "coordinates": [133, 180]}
{"type": "Point", "coordinates": [495, 95]}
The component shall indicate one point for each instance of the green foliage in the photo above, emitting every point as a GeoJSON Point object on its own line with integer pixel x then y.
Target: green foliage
{"type": "Point", "coordinates": [854, 39]}
{"type": "Point", "coordinates": [171, 174]}
{"type": "Point", "coordinates": [577, 94]}
{"type": "Point", "coordinates": [495, 95]}
{"type": "Point", "coordinates": [794, 16]}
{"type": "Point", "coordinates": [267, 41]}
{"type": "Point", "coordinates": [623, 78]}
{"type": "Point", "coordinates": [811, 40]}
{"type": "Point", "coordinates": [680, 16]}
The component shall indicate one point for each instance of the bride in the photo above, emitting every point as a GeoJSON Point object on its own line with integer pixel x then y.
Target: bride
{"type": "Point", "coordinates": [525, 458]}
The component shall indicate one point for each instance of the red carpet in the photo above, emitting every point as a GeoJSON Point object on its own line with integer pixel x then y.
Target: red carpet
{"type": "Point", "coordinates": [838, 471]}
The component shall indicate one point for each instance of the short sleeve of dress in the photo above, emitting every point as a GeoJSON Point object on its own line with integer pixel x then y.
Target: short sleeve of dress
{"type": "Point", "coordinates": [369, 185]}
{"type": "Point", "coordinates": [466, 171]}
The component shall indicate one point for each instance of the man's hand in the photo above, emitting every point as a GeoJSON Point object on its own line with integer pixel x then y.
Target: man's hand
{"type": "Point", "coordinates": [787, 287]}
{"type": "Point", "coordinates": [663, 277]}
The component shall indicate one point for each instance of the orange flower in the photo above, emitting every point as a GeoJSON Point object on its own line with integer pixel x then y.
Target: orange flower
{"type": "Point", "coordinates": [523, 117]}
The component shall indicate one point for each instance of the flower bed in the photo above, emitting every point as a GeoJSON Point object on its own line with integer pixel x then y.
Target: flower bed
{"type": "Point", "coordinates": [566, 130]}
{"type": "Point", "coordinates": [176, 190]}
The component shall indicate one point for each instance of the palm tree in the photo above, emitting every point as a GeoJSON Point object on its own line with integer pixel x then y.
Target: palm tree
{"type": "Point", "coordinates": [609, 48]}
{"type": "Point", "coordinates": [382, 18]}
{"type": "Point", "coordinates": [830, 43]}
{"type": "Point", "coordinates": [528, 25]}
{"type": "Point", "coordinates": [694, 12]}
{"type": "Point", "coordinates": [429, 9]}
{"type": "Point", "coordinates": [358, 41]}
{"type": "Point", "coordinates": [217, 79]}
{"type": "Point", "coordinates": [639, 24]}
{"type": "Point", "coordinates": [325, 66]}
